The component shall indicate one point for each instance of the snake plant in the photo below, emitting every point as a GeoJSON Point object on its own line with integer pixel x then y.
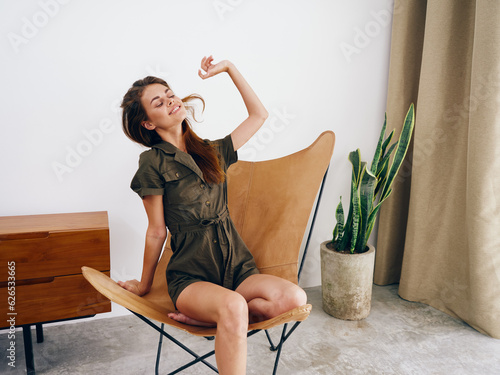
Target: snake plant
{"type": "Point", "coordinates": [370, 188]}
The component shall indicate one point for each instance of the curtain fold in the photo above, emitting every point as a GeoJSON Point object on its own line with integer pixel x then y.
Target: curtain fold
{"type": "Point", "coordinates": [408, 28]}
{"type": "Point", "coordinates": [439, 235]}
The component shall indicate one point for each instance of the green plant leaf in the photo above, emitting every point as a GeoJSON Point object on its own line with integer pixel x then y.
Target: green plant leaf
{"type": "Point", "coordinates": [383, 169]}
{"type": "Point", "coordinates": [357, 167]}
{"type": "Point", "coordinates": [339, 227]}
{"type": "Point", "coordinates": [386, 157]}
{"type": "Point", "coordinates": [347, 233]}
{"type": "Point", "coordinates": [387, 141]}
{"type": "Point", "coordinates": [378, 151]}
{"type": "Point", "coordinates": [373, 217]}
{"type": "Point", "coordinates": [403, 143]}
{"type": "Point", "coordinates": [355, 159]}
{"type": "Point", "coordinates": [355, 218]}
{"type": "Point", "coordinates": [366, 195]}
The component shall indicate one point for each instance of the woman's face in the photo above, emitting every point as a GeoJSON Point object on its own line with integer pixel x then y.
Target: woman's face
{"type": "Point", "coordinates": [164, 109]}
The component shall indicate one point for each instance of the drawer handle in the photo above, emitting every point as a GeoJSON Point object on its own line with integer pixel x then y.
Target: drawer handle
{"type": "Point", "coordinates": [40, 280]}
{"type": "Point", "coordinates": [23, 236]}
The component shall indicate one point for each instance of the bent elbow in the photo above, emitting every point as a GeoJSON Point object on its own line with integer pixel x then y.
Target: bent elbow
{"type": "Point", "coordinates": [157, 233]}
{"type": "Point", "coordinates": [264, 115]}
{"type": "Point", "coordinates": [260, 117]}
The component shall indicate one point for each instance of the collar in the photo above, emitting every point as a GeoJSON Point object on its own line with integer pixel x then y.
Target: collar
{"type": "Point", "coordinates": [180, 157]}
{"type": "Point", "coordinates": [167, 147]}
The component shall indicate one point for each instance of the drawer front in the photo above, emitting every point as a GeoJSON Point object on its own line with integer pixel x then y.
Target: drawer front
{"type": "Point", "coordinates": [55, 254]}
{"type": "Point", "coordinates": [62, 298]}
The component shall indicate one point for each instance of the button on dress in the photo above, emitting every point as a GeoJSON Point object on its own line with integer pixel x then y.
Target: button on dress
{"type": "Point", "coordinates": [204, 240]}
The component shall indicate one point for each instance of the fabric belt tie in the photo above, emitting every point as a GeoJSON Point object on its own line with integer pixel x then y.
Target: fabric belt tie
{"type": "Point", "coordinates": [219, 221]}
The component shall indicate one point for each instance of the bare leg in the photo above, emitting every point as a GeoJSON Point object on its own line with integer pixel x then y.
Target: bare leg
{"type": "Point", "coordinates": [269, 296]}
{"type": "Point", "coordinates": [213, 304]}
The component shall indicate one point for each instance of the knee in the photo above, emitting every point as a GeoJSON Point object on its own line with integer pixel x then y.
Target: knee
{"type": "Point", "coordinates": [293, 297]}
{"type": "Point", "coordinates": [298, 297]}
{"type": "Point", "coordinates": [286, 299]}
{"type": "Point", "coordinates": [233, 314]}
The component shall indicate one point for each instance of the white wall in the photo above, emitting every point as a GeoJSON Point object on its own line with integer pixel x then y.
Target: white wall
{"type": "Point", "coordinates": [316, 65]}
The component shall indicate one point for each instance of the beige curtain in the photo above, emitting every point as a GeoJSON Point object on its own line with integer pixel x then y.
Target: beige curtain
{"type": "Point", "coordinates": [439, 233]}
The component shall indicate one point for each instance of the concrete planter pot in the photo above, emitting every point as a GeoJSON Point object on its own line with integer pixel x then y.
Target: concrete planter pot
{"type": "Point", "coordinates": [347, 281]}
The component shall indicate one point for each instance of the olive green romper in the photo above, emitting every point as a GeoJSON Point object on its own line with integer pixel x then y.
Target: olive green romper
{"type": "Point", "coordinates": [204, 240]}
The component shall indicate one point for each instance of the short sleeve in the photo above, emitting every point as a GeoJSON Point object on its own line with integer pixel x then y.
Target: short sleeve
{"type": "Point", "coordinates": [226, 150]}
{"type": "Point", "coordinates": [148, 180]}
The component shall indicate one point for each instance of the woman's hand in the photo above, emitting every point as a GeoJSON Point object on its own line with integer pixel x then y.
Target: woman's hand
{"type": "Point", "coordinates": [133, 286]}
{"type": "Point", "coordinates": [212, 69]}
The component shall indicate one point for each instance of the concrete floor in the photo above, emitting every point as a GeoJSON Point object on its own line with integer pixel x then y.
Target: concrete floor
{"type": "Point", "coordinates": [398, 337]}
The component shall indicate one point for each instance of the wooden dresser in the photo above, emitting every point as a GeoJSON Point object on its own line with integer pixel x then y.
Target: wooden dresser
{"type": "Point", "coordinates": [46, 253]}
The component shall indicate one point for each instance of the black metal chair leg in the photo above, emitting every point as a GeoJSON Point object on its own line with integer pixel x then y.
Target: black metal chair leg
{"type": "Point", "coordinates": [199, 359]}
{"type": "Point", "coordinates": [158, 354]}
{"type": "Point", "coordinates": [280, 345]}
{"type": "Point", "coordinates": [28, 350]}
{"type": "Point", "coordinates": [312, 224]}
{"type": "Point", "coordinates": [272, 347]}
{"type": "Point", "coordinates": [178, 343]}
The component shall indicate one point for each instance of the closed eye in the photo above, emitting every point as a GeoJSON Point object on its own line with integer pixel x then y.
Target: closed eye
{"type": "Point", "coordinates": [158, 97]}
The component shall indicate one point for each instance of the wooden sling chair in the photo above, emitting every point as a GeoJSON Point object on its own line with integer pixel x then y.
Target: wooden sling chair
{"type": "Point", "coordinates": [270, 203]}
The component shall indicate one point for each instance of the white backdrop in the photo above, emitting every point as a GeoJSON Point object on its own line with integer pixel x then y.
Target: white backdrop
{"type": "Point", "coordinates": [316, 65]}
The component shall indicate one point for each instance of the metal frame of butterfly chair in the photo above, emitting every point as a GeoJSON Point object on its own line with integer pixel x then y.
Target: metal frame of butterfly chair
{"type": "Point", "coordinates": [250, 205]}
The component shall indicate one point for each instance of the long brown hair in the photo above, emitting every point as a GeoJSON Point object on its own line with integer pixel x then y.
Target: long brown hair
{"type": "Point", "coordinates": [134, 115]}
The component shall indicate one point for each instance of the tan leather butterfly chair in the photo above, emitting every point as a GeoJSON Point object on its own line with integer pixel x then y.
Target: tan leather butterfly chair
{"type": "Point", "coordinates": [270, 203]}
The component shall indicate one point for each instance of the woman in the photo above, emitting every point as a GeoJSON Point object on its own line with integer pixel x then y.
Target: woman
{"type": "Point", "coordinates": [212, 277]}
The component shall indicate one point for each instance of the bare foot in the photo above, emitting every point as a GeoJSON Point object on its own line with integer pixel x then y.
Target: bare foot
{"type": "Point", "coordinates": [180, 317]}
{"type": "Point", "coordinates": [255, 318]}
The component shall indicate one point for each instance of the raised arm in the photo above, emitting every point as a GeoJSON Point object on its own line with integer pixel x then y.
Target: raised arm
{"type": "Point", "coordinates": [257, 113]}
{"type": "Point", "coordinates": [155, 238]}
